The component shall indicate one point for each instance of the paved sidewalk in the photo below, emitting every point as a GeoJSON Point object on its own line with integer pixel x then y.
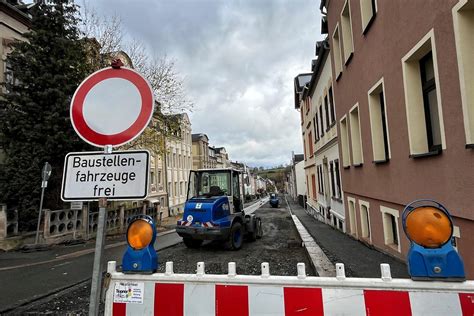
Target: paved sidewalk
{"type": "Point", "coordinates": [359, 260]}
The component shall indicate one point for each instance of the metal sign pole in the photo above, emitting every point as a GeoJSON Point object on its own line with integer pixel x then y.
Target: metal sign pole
{"type": "Point", "coordinates": [46, 173]}
{"type": "Point", "coordinates": [94, 301]}
{"type": "Point", "coordinates": [40, 210]}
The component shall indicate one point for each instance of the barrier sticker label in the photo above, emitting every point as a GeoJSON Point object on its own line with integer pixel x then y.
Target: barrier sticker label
{"type": "Point", "coordinates": [129, 292]}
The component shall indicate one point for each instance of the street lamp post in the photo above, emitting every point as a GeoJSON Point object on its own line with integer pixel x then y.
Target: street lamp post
{"type": "Point", "coordinates": [44, 183]}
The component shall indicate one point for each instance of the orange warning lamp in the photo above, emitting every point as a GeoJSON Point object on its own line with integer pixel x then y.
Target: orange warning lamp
{"type": "Point", "coordinates": [429, 227]}
{"type": "Point", "coordinates": [139, 234]}
{"type": "Point", "coordinates": [431, 256]}
{"type": "Point", "coordinates": [140, 256]}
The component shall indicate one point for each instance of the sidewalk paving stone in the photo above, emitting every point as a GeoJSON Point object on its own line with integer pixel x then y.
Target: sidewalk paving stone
{"type": "Point", "coordinates": [358, 259]}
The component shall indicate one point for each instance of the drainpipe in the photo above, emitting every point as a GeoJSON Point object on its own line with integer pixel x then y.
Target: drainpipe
{"type": "Point", "coordinates": [165, 170]}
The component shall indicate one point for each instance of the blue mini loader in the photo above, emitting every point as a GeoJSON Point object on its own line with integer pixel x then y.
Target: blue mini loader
{"type": "Point", "coordinates": [214, 210]}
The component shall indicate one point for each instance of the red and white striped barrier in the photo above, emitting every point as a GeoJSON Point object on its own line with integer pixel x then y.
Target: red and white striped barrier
{"type": "Point", "coordinates": [187, 223]}
{"type": "Point", "coordinates": [200, 294]}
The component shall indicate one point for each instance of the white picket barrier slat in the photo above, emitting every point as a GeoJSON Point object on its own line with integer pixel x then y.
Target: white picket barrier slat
{"type": "Point", "coordinates": [170, 293]}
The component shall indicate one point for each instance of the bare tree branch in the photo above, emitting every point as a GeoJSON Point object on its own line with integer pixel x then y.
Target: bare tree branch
{"type": "Point", "coordinates": [167, 85]}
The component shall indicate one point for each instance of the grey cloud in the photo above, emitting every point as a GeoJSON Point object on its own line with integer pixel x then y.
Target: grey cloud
{"type": "Point", "coordinates": [239, 59]}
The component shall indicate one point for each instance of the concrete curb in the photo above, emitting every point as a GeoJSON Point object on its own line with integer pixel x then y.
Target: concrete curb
{"type": "Point", "coordinates": [321, 263]}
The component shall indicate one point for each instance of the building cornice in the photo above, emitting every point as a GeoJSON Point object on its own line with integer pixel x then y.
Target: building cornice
{"type": "Point", "coordinates": [326, 146]}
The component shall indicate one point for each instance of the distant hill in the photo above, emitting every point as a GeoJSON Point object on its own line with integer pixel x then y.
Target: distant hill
{"type": "Point", "coordinates": [275, 174]}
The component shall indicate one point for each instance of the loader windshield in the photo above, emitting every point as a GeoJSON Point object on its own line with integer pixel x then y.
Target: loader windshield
{"type": "Point", "coordinates": [208, 184]}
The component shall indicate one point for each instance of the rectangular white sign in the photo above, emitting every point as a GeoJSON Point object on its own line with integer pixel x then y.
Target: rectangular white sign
{"type": "Point", "coordinates": [122, 175]}
{"type": "Point", "coordinates": [129, 292]}
{"type": "Point", "coordinates": [76, 205]}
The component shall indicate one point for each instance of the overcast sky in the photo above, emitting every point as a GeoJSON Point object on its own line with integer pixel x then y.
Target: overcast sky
{"type": "Point", "coordinates": [238, 59]}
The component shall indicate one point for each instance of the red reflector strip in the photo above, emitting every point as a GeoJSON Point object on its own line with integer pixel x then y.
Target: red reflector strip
{"type": "Point", "coordinates": [387, 303]}
{"type": "Point", "coordinates": [303, 301]}
{"type": "Point", "coordinates": [169, 299]}
{"type": "Point", "coordinates": [119, 309]}
{"type": "Point", "coordinates": [467, 303]}
{"type": "Point", "coordinates": [232, 300]}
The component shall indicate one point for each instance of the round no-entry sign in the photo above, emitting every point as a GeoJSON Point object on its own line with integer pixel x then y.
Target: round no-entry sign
{"type": "Point", "coordinates": [112, 107]}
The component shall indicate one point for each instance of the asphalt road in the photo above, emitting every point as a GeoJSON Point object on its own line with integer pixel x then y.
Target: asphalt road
{"type": "Point", "coordinates": [31, 280]}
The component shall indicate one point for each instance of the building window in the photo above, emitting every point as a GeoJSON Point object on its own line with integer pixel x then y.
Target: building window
{"type": "Point", "coordinates": [326, 109]}
{"type": "Point", "coordinates": [390, 227]}
{"type": "Point", "coordinates": [356, 139]}
{"type": "Point", "coordinates": [423, 99]}
{"type": "Point", "coordinates": [152, 177]}
{"type": "Point", "coordinates": [316, 127]}
{"type": "Point", "coordinates": [346, 159]}
{"type": "Point", "coordinates": [320, 179]}
{"type": "Point", "coordinates": [307, 185]}
{"type": "Point", "coordinates": [463, 17]}
{"type": "Point", "coordinates": [378, 123]}
{"type": "Point", "coordinates": [321, 119]}
{"type": "Point", "coordinates": [159, 176]}
{"type": "Point", "coordinates": [338, 179]}
{"type": "Point", "coordinates": [331, 102]}
{"type": "Point", "coordinates": [336, 49]}
{"type": "Point", "coordinates": [346, 27]}
{"type": "Point", "coordinates": [313, 186]}
{"type": "Point", "coordinates": [430, 103]}
{"type": "Point", "coordinates": [310, 142]}
{"type": "Point", "coordinates": [304, 148]}
{"type": "Point", "coordinates": [333, 183]}
{"type": "Point", "coordinates": [352, 216]}
{"type": "Point", "coordinates": [368, 9]}
{"type": "Point", "coordinates": [364, 219]}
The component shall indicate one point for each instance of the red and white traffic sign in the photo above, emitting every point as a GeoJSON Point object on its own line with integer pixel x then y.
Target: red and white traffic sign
{"type": "Point", "coordinates": [112, 107]}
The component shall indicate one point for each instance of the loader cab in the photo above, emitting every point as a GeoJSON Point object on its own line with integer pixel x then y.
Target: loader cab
{"type": "Point", "coordinates": [208, 185]}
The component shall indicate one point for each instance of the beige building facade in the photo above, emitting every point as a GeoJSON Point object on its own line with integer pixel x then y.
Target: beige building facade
{"type": "Point", "coordinates": [322, 168]}
{"type": "Point", "coordinates": [222, 157]}
{"type": "Point", "coordinates": [200, 151]}
{"type": "Point", "coordinates": [178, 164]}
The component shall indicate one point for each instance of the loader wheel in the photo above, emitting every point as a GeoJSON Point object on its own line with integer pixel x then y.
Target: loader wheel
{"type": "Point", "coordinates": [192, 243]}
{"type": "Point", "coordinates": [253, 235]}
{"type": "Point", "coordinates": [235, 238]}
{"type": "Point", "coordinates": [259, 228]}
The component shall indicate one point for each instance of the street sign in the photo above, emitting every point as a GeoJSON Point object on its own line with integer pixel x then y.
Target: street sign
{"type": "Point", "coordinates": [89, 176]}
{"type": "Point", "coordinates": [112, 106]}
